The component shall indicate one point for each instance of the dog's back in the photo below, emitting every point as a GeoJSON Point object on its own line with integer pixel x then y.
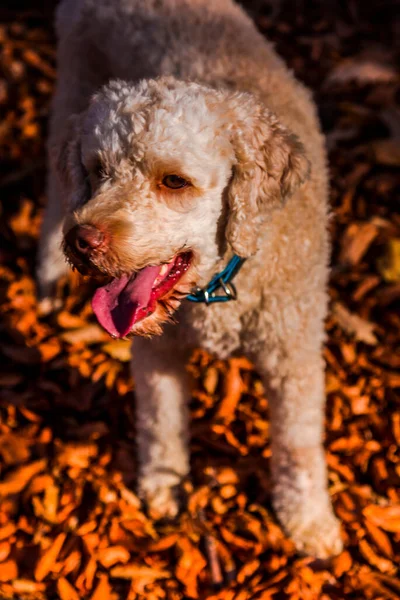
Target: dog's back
{"type": "Point", "coordinates": [214, 43]}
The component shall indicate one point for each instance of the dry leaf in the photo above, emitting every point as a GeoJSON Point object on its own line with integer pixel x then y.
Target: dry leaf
{"type": "Point", "coordinates": [112, 555]}
{"type": "Point", "coordinates": [8, 570]}
{"type": "Point", "coordinates": [362, 330]}
{"type": "Point", "coordinates": [47, 561]}
{"type": "Point", "coordinates": [363, 71]}
{"type": "Point", "coordinates": [189, 566]}
{"type": "Point", "coordinates": [233, 388]}
{"type": "Point", "coordinates": [103, 589]}
{"type": "Point", "coordinates": [386, 152]}
{"type": "Point", "coordinates": [89, 334]}
{"type": "Point", "coordinates": [383, 564]}
{"type": "Point", "coordinates": [221, 546]}
{"type": "Point", "coordinates": [65, 590]}
{"type": "Point", "coordinates": [27, 586]}
{"type": "Point", "coordinates": [355, 242]}
{"type": "Point", "coordinates": [118, 349]}
{"type": "Point", "coordinates": [386, 517]}
{"type": "Point", "coordinates": [138, 571]}
{"type": "Point", "coordinates": [15, 481]}
{"type": "Point", "coordinates": [389, 265]}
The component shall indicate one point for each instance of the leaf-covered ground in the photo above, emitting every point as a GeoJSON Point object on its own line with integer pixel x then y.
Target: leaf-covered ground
{"type": "Point", "coordinates": [71, 526]}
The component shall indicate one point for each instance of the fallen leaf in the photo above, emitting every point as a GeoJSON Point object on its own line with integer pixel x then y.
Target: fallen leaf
{"type": "Point", "coordinates": [47, 561]}
{"type": "Point", "coordinates": [89, 334]}
{"type": "Point", "coordinates": [341, 564]}
{"type": "Point", "coordinates": [8, 570]}
{"type": "Point", "coordinates": [7, 530]}
{"type": "Point", "coordinates": [362, 330]}
{"type": "Point", "coordinates": [386, 517]}
{"type": "Point", "coordinates": [138, 571]}
{"type": "Point", "coordinates": [355, 242]}
{"type": "Point", "coordinates": [65, 590]}
{"type": "Point", "coordinates": [233, 389]}
{"type": "Point", "coordinates": [386, 152]}
{"type": "Point", "coordinates": [361, 70]}
{"type": "Point", "coordinates": [118, 349]}
{"type": "Point", "coordinates": [16, 481]}
{"type": "Point", "coordinates": [5, 549]}
{"type": "Point", "coordinates": [112, 555]}
{"type": "Point", "coordinates": [189, 566]}
{"type": "Point", "coordinates": [383, 564]}
{"type": "Point", "coordinates": [103, 589]}
{"type": "Point", "coordinates": [389, 264]}
{"type": "Point", "coordinates": [27, 586]}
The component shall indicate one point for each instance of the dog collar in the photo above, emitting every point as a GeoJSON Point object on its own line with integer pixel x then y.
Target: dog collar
{"type": "Point", "coordinates": [223, 281]}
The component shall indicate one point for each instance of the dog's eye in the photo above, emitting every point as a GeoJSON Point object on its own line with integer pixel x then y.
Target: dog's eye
{"type": "Point", "coordinates": [174, 182]}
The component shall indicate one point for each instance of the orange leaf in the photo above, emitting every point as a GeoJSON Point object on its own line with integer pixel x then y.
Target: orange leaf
{"type": "Point", "coordinates": [85, 579]}
{"type": "Point", "coordinates": [16, 480]}
{"type": "Point", "coordinates": [27, 586]}
{"type": "Point", "coordinates": [66, 590]}
{"type": "Point", "coordinates": [341, 564]}
{"type": "Point", "coordinates": [137, 571]}
{"type": "Point", "coordinates": [48, 559]}
{"type": "Point", "coordinates": [386, 517]}
{"type": "Point", "coordinates": [383, 564]}
{"type": "Point", "coordinates": [113, 555]}
{"type": "Point", "coordinates": [190, 564]}
{"type": "Point", "coordinates": [50, 349]}
{"type": "Point", "coordinates": [5, 549]}
{"type": "Point", "coordinates": [8, 570]}
{"type": "Point", "coordinates": [233, 389]}
{"type": "Point", "coordinates": [68, 321]}
{"type": "Point", "coordinates": [380, 538]}
{"type": "Point", "coordinates": [7, 530]}
{"type": "Point", "coordinates": [103, 589]}
{"type": "Point", "coordinates": [163, 543]}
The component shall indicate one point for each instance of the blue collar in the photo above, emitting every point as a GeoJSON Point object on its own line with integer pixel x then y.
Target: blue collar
{"type": "Point", "coordinates": [222, 280]}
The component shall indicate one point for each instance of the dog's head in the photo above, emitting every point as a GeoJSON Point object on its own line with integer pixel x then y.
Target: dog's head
{"type": "Point", "coordinates": [159, 180]}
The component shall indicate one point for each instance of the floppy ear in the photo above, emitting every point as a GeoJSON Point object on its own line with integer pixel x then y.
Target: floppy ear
{"type": "Point", "coordinates": [270, 165]}
{"type": "Point", "coordinates": [66, 160]}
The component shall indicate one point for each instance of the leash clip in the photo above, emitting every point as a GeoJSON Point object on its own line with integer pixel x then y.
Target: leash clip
{"type": "Point", "coordinates": [223, 280]}
{"type": "Point", "coordinates": [228, 288]}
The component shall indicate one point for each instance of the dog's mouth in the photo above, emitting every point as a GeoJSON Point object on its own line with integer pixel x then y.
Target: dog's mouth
{"type": "Point", "coordinates": [126, 300]}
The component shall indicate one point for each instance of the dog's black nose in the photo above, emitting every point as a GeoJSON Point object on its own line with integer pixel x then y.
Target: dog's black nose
{"type": "Point", "coordinates": [83, 239]}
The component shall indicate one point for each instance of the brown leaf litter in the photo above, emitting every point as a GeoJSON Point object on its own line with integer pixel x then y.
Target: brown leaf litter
{"type": "Point", "coordinates": [71, 525]}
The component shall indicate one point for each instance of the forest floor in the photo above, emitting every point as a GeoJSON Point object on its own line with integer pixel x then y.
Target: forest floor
{"type": "Point", "coordinates": [71, 526]}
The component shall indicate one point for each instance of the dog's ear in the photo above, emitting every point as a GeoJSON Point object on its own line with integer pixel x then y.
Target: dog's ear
{"type": "Point", "coordinates": [65, 156]}
{"type": "Point", "coordinates": [270, 165]}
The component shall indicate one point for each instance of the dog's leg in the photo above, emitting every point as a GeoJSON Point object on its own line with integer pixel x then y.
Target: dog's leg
{"type": "Point", "coordinates": [162, 393]}
{"type": "Point", "coordinates": [51, 261]}
{"type": "Point", "coordinates": [300, 497]}
{"type": "Point", "coordinates": [76, 82]}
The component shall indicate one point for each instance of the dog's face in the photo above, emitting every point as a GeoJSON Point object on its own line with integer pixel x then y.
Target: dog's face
{"type": "Point", "coordinates": [158, 178]}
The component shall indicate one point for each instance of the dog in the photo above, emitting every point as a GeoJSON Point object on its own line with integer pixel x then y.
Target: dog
{"type": "Point", "coordinates": [188, 177]}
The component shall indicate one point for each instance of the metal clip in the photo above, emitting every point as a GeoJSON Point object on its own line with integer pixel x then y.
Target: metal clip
{"type": "Point", "coordinates": [228, 288]}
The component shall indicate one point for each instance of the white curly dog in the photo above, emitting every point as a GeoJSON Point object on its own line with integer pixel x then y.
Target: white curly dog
{"type": "Point", "coordinates": [179, 140]}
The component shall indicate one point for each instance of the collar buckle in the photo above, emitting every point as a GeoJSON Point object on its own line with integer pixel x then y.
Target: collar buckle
{"type": "Point", "coordinates": [228, 288]}
{"type": "Point", "coordinates": [220, 280]}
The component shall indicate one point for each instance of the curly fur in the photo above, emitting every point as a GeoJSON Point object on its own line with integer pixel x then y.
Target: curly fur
{"type": "Point", "coordinates": [190, 87]}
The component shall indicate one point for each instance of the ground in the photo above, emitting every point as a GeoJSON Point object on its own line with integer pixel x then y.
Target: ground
{"type": "Point", "coordinates": [71, 526]}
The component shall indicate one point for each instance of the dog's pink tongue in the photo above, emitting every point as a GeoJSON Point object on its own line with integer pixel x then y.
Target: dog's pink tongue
{"type": "Point", "coordinates": [124, 301]}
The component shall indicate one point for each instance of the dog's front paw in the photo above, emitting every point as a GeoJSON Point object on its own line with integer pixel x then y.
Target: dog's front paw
{"type": "Point", "coordinates": [314, 535]}
{"type": "Point", "coordinates": [160, 497]}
